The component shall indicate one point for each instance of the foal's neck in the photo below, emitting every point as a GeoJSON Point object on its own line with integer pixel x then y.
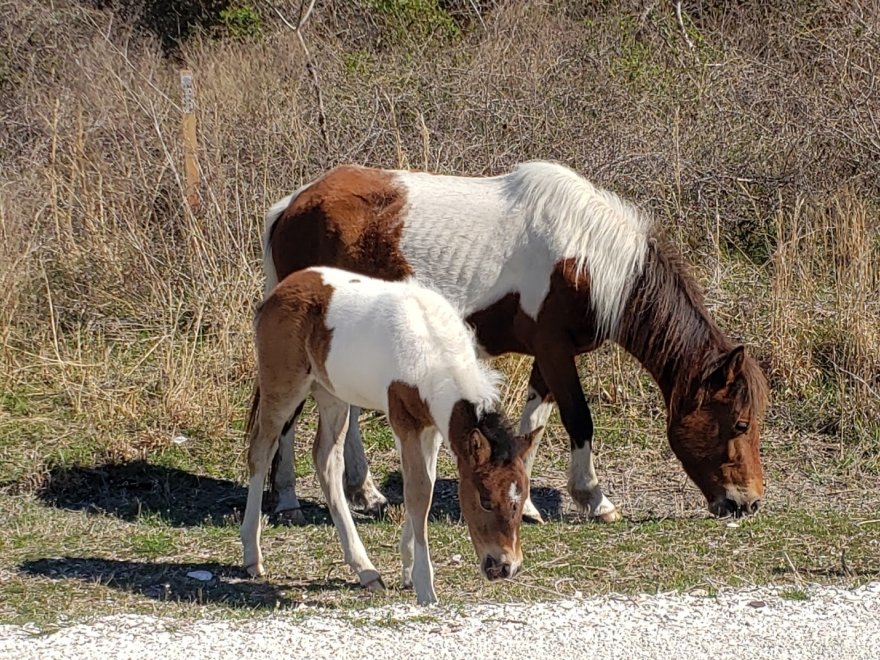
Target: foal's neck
{"type": "Point", "coordinates": [665, 324]}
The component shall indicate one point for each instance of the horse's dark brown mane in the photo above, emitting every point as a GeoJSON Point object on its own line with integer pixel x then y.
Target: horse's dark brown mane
{"type": "Point", "coordinates": [666, 326]}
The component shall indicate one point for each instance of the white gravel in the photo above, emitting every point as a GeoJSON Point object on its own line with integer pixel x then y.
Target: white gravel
{"type": "Point", "coordinates": [756, 623]}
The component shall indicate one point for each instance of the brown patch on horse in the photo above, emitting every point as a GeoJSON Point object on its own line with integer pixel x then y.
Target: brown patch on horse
{"type": "Point", "coordinates": [294, 315]}
{"type": "Point", "coordinates": [351, 218]}
{"type": "Point", "coordinates": [407, 410]}
{"type": "Point", "coordinates": [503, 327]}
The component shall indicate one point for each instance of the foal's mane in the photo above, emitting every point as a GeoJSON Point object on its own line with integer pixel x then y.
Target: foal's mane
{"type": "Point", "coordinates": [496, 428]}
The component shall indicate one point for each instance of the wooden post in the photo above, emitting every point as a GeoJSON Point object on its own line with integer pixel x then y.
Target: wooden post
{"type": "Point", "coordinates": [190, 151]}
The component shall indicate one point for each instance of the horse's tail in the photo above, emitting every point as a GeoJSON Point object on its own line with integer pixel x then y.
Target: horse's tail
{"type": "Point", "coordinates": [269, 222]}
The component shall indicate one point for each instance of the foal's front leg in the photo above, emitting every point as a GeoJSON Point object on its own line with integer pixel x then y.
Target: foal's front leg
{"type": "Point", "coordinates": [328, 456]}
{"type": "Point", "coordinates": [418, 454]}
{"type": "Point", "coordinates": [561, 377]}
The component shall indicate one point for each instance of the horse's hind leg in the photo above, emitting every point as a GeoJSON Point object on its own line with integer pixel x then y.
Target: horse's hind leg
{"type": "Point", "coordinates": [328, 456]}
{"type": "Point", "coordinates": [359, 487]}
{"type": "Point", "coordinates": [283, 477]}
{"type": "Point", "coordinates": [536, 414]}
{"type": "Point", "coordinates": [274, 410]}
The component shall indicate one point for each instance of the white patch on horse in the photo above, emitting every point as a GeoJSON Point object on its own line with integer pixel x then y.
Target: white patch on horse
{"type": "Point", "coordinates": [368, 317]}
{"type": "Point", "coordinates": [514, 494]}
{"type": "Point", "coordinates": [506, 234]}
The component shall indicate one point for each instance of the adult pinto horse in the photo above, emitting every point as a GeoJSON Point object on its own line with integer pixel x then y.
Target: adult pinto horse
{"type": "Point", "coordinates": [542, 263]}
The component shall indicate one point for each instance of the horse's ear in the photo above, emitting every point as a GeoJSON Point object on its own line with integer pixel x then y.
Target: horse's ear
{"type": "Point", "coordinates": [478, 448]}
{"type": "Point", "coordinates": [525, 442]}
{"type": "Point", "coordinates": [726, 369]}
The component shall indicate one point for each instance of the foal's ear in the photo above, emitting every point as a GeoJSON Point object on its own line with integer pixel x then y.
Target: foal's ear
{"type": "Point", "coordinates": [525, 442]}
{"type": "Point", "coordinates": [479, 449]}
{"type": "Point", "coordinates": [726, 369]}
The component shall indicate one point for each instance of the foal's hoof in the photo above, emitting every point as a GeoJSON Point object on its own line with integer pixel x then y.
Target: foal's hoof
{"type": "Point", "coordinates": [290, 517]}
{"type": "Point", "coordinates": [255, 570]}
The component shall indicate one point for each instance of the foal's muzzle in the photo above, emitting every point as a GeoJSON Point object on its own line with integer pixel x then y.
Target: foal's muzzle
{"type": "Point", "coordinates": [495, 569]}
{"type": "Point", "coordinates": [728, 507]}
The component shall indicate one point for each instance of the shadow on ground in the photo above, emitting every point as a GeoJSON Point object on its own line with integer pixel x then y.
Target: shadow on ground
{"type": "Point", "coordinates": [132, 490]}
{"type": "Point", "coordinates": [445, 507]}
{"type": "Point", "coordinates": [168, 581]}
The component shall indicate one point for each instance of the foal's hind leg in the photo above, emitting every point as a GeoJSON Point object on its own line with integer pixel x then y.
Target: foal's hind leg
{"type": "Point", "coordinates": [328, 456]}
{"type": "Point", "coordinates": [273, 412]}
{"type": "Point", "coordinates": [359, 487]}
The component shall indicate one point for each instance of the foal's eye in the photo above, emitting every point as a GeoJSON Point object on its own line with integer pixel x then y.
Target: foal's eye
{"type": "Point", "coordinates": [485, 504]}
{"type": "Point", "coordinates": [741, 427]}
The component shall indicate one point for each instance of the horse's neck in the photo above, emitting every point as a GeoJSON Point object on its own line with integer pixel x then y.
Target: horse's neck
{"type": "Point", "coordinates": [665, 324]}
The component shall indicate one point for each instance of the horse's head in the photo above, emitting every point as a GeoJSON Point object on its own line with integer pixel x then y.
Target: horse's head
{"type": "Point", "coordinates": [714, 429]}
{"type": "Point", "coordinates": [492, 488]}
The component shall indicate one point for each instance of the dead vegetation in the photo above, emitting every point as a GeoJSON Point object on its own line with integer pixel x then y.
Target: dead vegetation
{"type": "Point", "coordinates": [125, 317]}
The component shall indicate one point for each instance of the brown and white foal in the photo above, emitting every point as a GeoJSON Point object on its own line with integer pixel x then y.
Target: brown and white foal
{"type": "Point", "coordinates": [400, 348]}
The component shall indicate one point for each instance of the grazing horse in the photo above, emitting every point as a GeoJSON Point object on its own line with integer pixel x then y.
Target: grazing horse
{"type": "Point", "coordinates": [542, 263]}
{"type": "Point", "coordinates": [403, 349]}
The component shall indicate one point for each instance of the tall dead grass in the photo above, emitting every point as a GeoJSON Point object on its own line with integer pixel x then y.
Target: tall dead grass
{"type": "Point", "coordinates": [126, 317]}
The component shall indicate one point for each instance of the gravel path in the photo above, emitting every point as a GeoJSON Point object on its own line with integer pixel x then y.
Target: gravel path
{"type": "Point", "coordinates": [757, 623]}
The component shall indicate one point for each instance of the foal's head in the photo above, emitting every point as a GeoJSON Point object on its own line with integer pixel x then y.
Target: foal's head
{"type": "Point", "coordinates": [492, 488]}
{"type": "Point", "coordinates": [714, 429]}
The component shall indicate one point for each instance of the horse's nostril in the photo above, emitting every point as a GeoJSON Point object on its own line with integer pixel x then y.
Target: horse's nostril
{"type": "Point", "coordinates": [754, 505]}
{"type": "Point", "coordinates": [505, 570]}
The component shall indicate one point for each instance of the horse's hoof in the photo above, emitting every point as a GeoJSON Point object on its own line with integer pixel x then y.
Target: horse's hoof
{"type": "Point", "coordinates": [530, 514]}
{"type": "Point", "coordinates": [376, 584]}
{"type": "Point", "coordinates": [255, 570]}
{"type": "Point", "coordinates": [291, 517]}
{"type": "Point", "coordinates": [612, 516]}
{"type": "Point", "coordinates": [368, 503]}
{"type": "Point", "coordinates": [594, 504]}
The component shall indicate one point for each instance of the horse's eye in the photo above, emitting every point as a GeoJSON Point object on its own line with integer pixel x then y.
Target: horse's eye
{"type": "Point", "coordinates": [741, 427]}
{"type": "Point", "coordinates": [485, 504]}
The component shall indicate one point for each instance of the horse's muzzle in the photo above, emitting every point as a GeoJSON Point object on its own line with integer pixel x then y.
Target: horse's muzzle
{"type": "Point", "coordinates": [728, 507]}
{"type": "Point", "coordinates": [495, 569]}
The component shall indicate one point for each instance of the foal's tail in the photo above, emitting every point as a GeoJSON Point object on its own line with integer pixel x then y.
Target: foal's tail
{"type": "Point", "coordinates": [254, 411]}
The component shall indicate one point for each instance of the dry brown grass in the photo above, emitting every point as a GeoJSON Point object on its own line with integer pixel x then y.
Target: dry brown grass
{"type": "Point", "coordinates": [125, 317]}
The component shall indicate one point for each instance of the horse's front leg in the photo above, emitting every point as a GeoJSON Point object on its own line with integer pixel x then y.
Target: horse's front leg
{"type": "Point", "coordinates": [562, 382]}
{"type": "Point", "coordinates": [418, 454]}
{"type": "Point", "coordinates": [359, 487]}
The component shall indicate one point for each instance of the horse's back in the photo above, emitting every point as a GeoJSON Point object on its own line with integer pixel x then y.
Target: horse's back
{"type": "Point", "coordinates": [382, 332]}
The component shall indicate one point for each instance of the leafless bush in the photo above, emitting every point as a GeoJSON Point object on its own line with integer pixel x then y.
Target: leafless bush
{"type": "Point", "coordinates": [757, 149]}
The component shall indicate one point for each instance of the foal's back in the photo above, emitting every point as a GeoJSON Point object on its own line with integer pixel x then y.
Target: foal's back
{"type": "Point", "coordinates": [362, 334]}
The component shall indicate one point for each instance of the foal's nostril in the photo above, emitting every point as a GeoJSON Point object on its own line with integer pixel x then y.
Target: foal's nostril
{"type": "Point", "coordinates": [753, 506]}
{"type": "Point", "coordinates": [494, 569]}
